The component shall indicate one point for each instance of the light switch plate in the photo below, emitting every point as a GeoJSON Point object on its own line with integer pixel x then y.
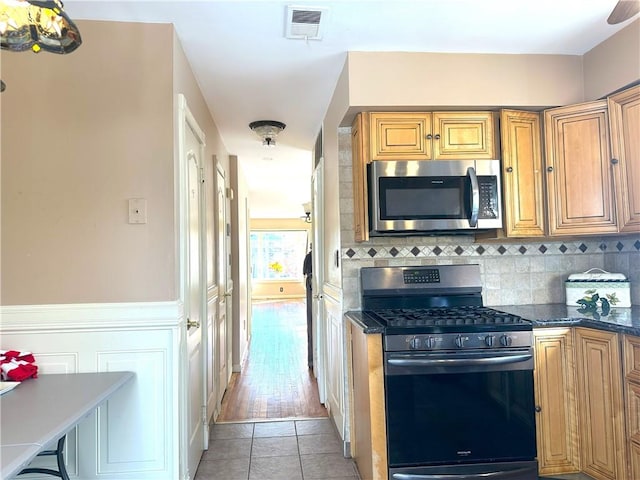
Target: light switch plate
{"type": "Point", "coordinates": [137, 210]}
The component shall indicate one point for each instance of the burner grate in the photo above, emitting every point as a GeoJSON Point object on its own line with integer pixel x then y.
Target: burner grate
{"type": "Point", "coordinates": [465, 315]}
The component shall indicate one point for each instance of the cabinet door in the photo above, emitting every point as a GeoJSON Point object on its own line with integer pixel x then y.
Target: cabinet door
{"type": "Point", "coordinates": [601, 412]}
{"type": "Point", "coordinates": [334, 362]}
{"type": "Point", "coordinates": [359, 142]}
{"type": "Point", "coordinates": [624, 118]}
{"type": "Point", "coordinates": [579, 179]}
{"type": "Point", "coordinates": [522, 173]}
{"type": "Point", "coordinates": [463, 136]}
{"type": "Point", "coordinates": [555, 394]}
{"type": "Point", "coordinates": [400, 136]}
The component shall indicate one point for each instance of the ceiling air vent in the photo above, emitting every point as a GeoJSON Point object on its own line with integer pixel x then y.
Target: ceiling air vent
{"type": "Point", "coordinates": [305, 23]}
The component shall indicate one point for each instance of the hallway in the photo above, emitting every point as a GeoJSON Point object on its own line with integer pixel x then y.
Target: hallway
{"type": "Point", "coordinates": [275, 382]}
{"type": "Point", "coordinates": [272, 425]}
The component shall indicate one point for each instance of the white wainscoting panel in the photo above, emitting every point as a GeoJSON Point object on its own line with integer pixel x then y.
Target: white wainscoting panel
{"type": "Point", "coordinates": [134, 435]}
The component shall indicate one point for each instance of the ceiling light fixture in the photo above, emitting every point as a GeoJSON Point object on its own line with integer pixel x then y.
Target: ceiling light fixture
{"type": "Point", "coordinates": [37, 25]}
{"type": "Point", "coordinates": [268, 130]}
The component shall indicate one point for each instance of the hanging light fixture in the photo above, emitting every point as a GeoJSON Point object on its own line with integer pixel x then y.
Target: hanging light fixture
{"type": "Point", "coordinates": [268, 130]}
{"type": "Point", "coordinates": [37, 25]}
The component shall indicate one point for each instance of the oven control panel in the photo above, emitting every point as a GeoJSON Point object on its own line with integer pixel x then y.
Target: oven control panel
{"type": "Point", "coordinates": [422, 275]}
{"type": "Point", "coordinates": [458, 341]}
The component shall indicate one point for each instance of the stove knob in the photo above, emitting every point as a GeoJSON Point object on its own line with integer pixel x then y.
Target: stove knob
{"type": "Point", "coordinates": [505, 340]}
{"type": "Point", "coordinates": [460, 341]}
{"type": "Point", "coordinates": [489, 340]}
{"type": "Point", "coordinates": [414, 343]}
{"type": "Point", "coordinates": [430, 342]}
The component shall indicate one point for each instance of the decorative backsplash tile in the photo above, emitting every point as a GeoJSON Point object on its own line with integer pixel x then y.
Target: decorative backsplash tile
{"type": "Point", "coordinates": [492, 249]}
{"type": "Point", "coordinates": [512, 273]}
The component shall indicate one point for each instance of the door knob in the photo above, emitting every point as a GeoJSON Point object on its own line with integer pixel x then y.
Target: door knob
{"type": "Point", "coordinates": [192, 323]}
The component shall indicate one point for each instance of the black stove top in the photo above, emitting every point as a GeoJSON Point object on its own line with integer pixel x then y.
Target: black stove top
{"type": "Point", "coordinates": [432, 299]}
{"type": "Point", "coordinates": [447, 319]}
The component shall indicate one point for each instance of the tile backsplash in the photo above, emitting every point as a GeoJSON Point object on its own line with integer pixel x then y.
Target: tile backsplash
{"type": "Point", "coordinates": [512, 274]}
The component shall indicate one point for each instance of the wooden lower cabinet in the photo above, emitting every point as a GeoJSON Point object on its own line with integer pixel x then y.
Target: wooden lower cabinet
{"type": "Point", "coordinates": [367, 423]}
{"type": "Point", "coordinates": [555, 395]}
{"type": "Point", "coordinates": [631, 352]}
{"type": "Point", "coordinates": [600, 404]}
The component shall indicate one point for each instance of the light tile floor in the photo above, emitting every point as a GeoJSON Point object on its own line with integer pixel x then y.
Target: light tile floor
{"type": "Point", "coordinates": [280, 450]}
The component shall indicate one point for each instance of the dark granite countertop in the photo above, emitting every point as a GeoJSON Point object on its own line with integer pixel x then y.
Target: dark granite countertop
{"type": "Point", "coordinates": [620, 320]}
{"type": "Point", "coordinates": [366, 323]}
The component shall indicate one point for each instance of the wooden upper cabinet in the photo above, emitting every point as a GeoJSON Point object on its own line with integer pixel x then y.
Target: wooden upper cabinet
{"type": "Point", "coordinates": [432, 136]}
{"type": "Point", "coordinates": [400, 136]}
{"type": "Point", "coordinates": [522, 173]}
{"type": "Point", "coordinates": [579, 179]}
{"type": "Point", "coordinates": [624, 119]}
{"type": "Point", "coordinates": [464, 136]}
{"type": "Point", "coordinates": [359, 143]}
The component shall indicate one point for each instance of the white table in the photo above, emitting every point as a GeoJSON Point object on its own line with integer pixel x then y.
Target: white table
{"type": "Point", "coordinates": [41, 410]}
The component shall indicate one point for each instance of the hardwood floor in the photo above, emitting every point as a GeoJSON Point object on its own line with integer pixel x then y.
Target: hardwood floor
{"type": "Point", "coordinates": [275, 382]}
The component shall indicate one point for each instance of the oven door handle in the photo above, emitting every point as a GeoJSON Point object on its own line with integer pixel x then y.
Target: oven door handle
{"type": "Point", "coordinates": [490, 475]}
{"type": "Point", "coordinates": [475, 197]}
{"type": "Point", "coordinates": [411, 361]}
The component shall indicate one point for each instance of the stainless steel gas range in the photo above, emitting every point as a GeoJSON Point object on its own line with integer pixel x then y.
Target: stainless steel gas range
{"type": "Point", "coordinates": [458, 376]}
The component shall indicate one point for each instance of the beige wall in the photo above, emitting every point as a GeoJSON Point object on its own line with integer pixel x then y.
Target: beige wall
{"type": "Point", "coordinates": [81, 134]}
{"type": "Point", "coordinates": [215, 153]}
{"type": "Point", "coordinates": [415, 80]}
{"type": "Point", "coordinates": [331, 233]}
{"type": "Point", "coordinates": [614, 63]}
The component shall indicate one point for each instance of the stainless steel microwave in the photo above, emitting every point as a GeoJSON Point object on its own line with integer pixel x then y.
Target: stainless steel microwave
{"type": "Point", "coordinates": [426, 197]}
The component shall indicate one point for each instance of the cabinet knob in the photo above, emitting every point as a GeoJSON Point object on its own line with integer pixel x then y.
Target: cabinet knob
{"type": "Point", "coordinates": [509, 169]}
{"type": "Point", "coordinates": [437, 136]}
{"type": "Point", "coordinates": [538, 408]}
{"type": "Point", "coordinates": [614, 161]}
{"type": "Point", "coordinates": [549, 169]}
{"type": "Point", "coordinates": [429, 136]}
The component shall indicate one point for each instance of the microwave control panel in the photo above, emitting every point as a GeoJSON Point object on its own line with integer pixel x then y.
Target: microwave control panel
{"type": "Point", "coordinates": [488, 197]}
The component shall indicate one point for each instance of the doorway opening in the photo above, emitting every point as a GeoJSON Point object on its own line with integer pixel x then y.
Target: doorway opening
{"type": "Point", "coordinates": [275, 382]}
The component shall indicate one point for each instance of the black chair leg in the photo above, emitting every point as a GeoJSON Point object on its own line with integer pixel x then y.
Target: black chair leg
{"type": "Point", "coordinates": [62, 469]}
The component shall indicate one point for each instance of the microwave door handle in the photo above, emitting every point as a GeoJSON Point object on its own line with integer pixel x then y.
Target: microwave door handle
{"type": "Point", "coordinates": [475, 197]}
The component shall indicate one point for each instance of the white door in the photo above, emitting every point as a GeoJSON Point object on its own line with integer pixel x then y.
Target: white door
{"type": "Point", "coordinates": [192, 221]}
{"type": "Point", "coordinates": [317, 280]}
{"type": "Point", "coordinates": [223, 332]}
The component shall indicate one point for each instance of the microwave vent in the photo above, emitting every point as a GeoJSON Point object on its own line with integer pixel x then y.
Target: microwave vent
{"type": "Point", "coordinates": [306, 23]}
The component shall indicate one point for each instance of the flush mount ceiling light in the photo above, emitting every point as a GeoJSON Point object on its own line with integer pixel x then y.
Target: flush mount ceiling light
{"type": "Point", "coordinates": [37, 25]}
{"type": "Point", "coordinates": [268, 130]}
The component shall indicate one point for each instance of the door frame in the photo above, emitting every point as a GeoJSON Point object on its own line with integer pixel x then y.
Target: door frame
{"type": "Point", "coordinates": [187, 120]}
